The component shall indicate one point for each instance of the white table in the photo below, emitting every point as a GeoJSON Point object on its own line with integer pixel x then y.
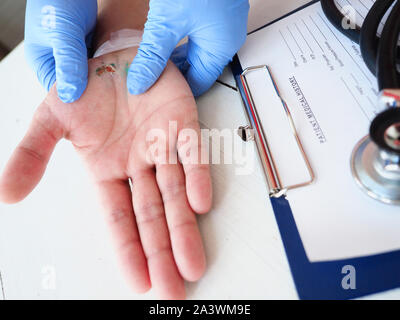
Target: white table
{"type": "Point", "coordinates": [55, 244]}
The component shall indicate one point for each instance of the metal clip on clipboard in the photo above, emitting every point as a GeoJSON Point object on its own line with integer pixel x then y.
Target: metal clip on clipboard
{"type": "Point", "coordinates": [247, 133]}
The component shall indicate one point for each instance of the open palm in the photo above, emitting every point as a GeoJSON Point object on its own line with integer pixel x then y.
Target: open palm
{"type": "Point", "coordinates": [152, 218]}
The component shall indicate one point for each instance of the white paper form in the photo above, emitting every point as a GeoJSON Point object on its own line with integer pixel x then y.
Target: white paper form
{"type": "Point", "coordinates": [332, 97]}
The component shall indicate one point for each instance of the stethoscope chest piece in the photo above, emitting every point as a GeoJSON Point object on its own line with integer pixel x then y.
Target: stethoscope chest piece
{"type": "Point", "coordinates": [376, 171]}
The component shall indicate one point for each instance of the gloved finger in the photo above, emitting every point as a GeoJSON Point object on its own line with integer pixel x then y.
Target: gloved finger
{"type": "Point", "coordinates": [179, 57]}
{"type": "Point", "coordinates": [160, 38]}
{"type": "Point", "coordinates": [204, 68]}
{"type": "Point", "coordinates": [71, 61]}
{"type": "Point", "coordinates": [43, 63]}
{"type": "Point", "coordinates": [89, 44]}
{"type": "Point", "coordinates": [28, 162]}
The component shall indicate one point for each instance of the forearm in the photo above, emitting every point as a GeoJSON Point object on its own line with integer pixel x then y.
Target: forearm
{"type": "Point", "coordinates": [114, 15]}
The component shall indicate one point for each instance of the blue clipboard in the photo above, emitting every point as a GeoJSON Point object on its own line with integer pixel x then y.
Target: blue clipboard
{"type": "Point", "coordinates": [323, 280]}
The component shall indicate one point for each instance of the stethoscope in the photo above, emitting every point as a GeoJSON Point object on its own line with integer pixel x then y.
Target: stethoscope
{"type": "Point", "coordinates": [375, 161]}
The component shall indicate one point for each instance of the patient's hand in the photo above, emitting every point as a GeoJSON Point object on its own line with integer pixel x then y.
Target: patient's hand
{"type": "Point", "coordinates": [154, 224]}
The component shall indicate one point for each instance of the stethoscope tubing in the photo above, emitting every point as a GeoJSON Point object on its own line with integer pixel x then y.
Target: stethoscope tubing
{"type": "Point", "coordinates": [369, 42]}
{"type": "Point", "coordinates": [335, 17]}
{"type": "Point", "coordinates": [387, 73]}
{"type": "Point", "coordinates": [380, 54]}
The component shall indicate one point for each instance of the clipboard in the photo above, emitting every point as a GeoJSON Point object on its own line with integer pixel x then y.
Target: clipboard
{"type": "Point", "coordinates": [313, 280]}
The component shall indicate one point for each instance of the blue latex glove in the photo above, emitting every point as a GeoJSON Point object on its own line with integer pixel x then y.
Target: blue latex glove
{"type": "Point", "coordinates": [56, 32]}
{"type": "Point", "coordinates": [216, 29]}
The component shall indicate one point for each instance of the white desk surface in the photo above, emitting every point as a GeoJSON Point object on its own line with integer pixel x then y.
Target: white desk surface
{"type": "Point", "coordinates": [55, 244]}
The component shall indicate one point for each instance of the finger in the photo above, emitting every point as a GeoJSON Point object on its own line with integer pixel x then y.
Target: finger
{"type": "Point", "coordinates": [42, 61]}
{"type": "Point", "coordinates": [150, 217]}
{"type": "Point", "coordinates": [187, 245]}
{"type": "Point", "coordinates": [194, 157]}
{"type": "Point", "coordinates": [71, 62]}
{"type": "Point", "coordinates": [159, 40]}
{"type": "Point", "coordinates": [28, 162]}
{"type": "Point", "coordinates": [179, 58]}
{"type": "Point", "coordinates": [116, 197]}
{"type": "Point", "coordinates": [204, 68]}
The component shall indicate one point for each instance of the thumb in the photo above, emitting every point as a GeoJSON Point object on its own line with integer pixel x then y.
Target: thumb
{"type": "Point", "coordinates": [28, 162]}
{"type": "Point", "coordinates": [159, 40]}
{"type": "Point", "coordinates": [204, 68]}
{"type": "Point", "coordinates": [71, 62]}
{"type": "Point", "coordinates": [42, 61]}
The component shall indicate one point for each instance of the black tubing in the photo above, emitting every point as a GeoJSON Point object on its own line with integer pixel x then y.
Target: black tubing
{"type": "Point", "coordinates": [380, 124]}
{"type": "Point", "coordinates": [335, 17]}
{"type": "Point", "coordinates": [388, 77]}
{"type": "Point", "coordinates": [380, 55]}
{"type": "Point", "coordinates": [369, 42]}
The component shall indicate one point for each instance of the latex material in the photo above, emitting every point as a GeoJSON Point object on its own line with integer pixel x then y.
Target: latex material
{"type": "Point", "coordinates": [216, 29]}
{"type": "Point", "coordinates": [56, 36]}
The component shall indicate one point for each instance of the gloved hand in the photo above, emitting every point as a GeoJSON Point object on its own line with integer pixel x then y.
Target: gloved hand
{"type": "Point", "coordinates": [216, 29]}
{"type": "Point", "coordinates": [56, 32]}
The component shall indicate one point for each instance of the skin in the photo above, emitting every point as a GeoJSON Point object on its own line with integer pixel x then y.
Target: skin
{"type": "Point", "coordinates": [153, 222]}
